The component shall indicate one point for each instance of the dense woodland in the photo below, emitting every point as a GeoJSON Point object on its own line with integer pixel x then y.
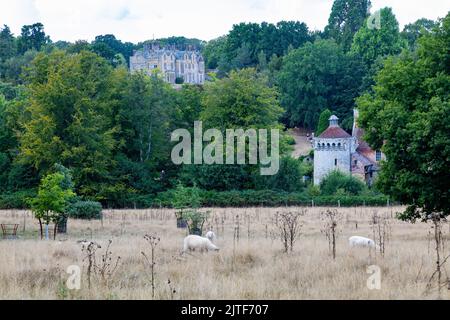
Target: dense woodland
{"type": "Point", "coordinates": [76, 105]}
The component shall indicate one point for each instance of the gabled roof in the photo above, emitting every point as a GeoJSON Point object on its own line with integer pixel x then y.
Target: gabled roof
{"type": "Point", "coordinates": [334, 133]}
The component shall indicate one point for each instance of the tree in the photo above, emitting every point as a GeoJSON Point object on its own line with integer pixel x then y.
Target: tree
{"type": "Point", "coordinates": [413, 31]}
{"type": "Point", "coordinates": [214, 51]}
{"type": "Point", "coordinates": [6, 137]}
{"type": "Point", "coordinates": [371, 42]}
{"type": "Point", "coordinates": [408, 117]}
{"type": "Point", "coordinates": [323, 121]}
{"type": "Point", "coordinates": [7, 44]}
{"type": "Point", "coordinates": [51, 201]}
{"type": "Point", "coordinates": [315, 77]}
{"type": "Point", "coordinates": [70, 117]}
{"type": "Point", "coordinates": [110, 48]}
{"type": "Point", "coordinates": [32, 37]}
{"type": "Point", "coordinates": [146, 117]}
{"type": "Point", "coordinates": [243, 45]}
{"type": "Point", "coordinates": [346, 18]}
{"type": "Point", "coordinates": [243, 100]}
{"type": "Point", "coordinates": [12, 69]}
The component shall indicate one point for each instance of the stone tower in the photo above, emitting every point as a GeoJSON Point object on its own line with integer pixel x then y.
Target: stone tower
{"type": "Point", "coordinates": [333, 151]}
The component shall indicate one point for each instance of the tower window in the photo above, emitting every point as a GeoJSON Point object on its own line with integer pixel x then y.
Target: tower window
{"type": "Point", "coordinates": [335, 162]}
{"type": "Point", "coordinates": [378, 155]}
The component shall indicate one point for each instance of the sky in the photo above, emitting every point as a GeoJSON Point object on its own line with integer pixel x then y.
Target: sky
{"type": "Point", "coordinates": [139, 20]}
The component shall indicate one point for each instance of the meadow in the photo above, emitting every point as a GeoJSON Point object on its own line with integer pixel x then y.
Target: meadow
{"type": "Point", "coordinates": [251, 263]}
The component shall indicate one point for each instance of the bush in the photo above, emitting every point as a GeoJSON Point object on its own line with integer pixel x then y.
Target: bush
{"type": "Point", "coordinates": [338, 183]}
{"type": "Point", "coordinates": [16, 200]}
{"type": "Point", "coordinates": [288, 178]}
{"type": "Point", "coordinates": [86, 210]}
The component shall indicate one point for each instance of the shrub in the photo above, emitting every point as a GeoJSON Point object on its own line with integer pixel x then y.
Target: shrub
{"type": "Point", "coordinates": [338, 183]}
{"type": "Point", "coordinates": [288, 178]}
{"type": "Point", "coordinates": [16, 200]}
{"type": "Point", "coordinates": [86, 210]}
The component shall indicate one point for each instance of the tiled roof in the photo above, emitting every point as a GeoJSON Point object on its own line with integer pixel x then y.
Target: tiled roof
{"type": "Point", "coordinates": [334, 133]}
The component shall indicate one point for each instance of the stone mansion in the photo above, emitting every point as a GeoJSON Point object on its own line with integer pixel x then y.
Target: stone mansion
{"type": "Point", "coordinates": [176, 66]}
{"type": "Point", "coordinates": [335, 149]}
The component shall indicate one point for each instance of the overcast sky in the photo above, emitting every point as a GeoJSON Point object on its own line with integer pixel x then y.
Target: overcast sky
{"type": "Point", "coordinates": [138, 20]}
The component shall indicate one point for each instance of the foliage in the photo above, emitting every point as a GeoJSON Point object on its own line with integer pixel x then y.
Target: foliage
{"type": "Point", "coordinates": [371, 43]}
{"type": "Point", "coordinates": [16, 200]}
{"type": "Point", "coordinates": [273, 198]}
{"type": "Point", "coordinates": [408, 117]}
{"type": "Point", "coordinates": [185, 197]}
{"type": "Point", "coordinates": [70, 106]}
{"type": "Point", "coordinates": [315, 77]}
{"type": "Point", "coordinates": [32, 37]}
{"type": "Point", "coordinates": [413, 31]}
{"type": "Point", "coordinates": [8, 47]}
{"type": "Point", "coordinates": [51, 200]}
{"type": "Point", "coordinates": [87, 210]}
{"type": "Point", "coordinates": [195, 220]}
{"type": "Point", "coordinates": [323, 121]}
{"type": "Point", "coordinates": [346, 18]}
{"type": "Point", "coordinates": [241, 47]}
{"type": "Point", "coordinates": [338, 183]}
{"type": "Point", "coordinates": [243, 100]}
{"type": "Point", "coordinates": [288, 178]}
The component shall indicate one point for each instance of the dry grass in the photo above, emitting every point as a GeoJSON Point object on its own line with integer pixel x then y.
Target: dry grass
{"type": "Point", "coordinates": [253, 268]}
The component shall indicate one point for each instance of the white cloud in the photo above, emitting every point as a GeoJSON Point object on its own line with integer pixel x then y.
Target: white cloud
{"type": "Point", "coordinates": [138, 20]}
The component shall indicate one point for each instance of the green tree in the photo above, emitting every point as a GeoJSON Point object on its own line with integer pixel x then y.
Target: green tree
{"type": "Point", "coordinates": [372, 42]}
{"type": "Point", "coordinates": [12, 69]}
{"type": "Point", "coordinates": [214, 51]}
{"type": "Point", "coordinates": [315, 77]}
{"type": "Point", "coordinates": [323, 121]}
{"type": "Point", "coordinates": [243, 45]}
{"type": "Point", "coordinates": [32, 37]}
{"type": "Point", "coordinates": [7, 44]}
{"type": "Point", "coordinates": [51, 201]}
{"type": "Point", "coordinates": [346, 18]}
{"type": "Point", "coordinates": [6, 136]}
{"type": "Point", "coordinates": [243, 100]}
{"type": "Point", "coordinates": [146, 116]}
{"type": "Point", "coordinates": [408, 117]}
{"type": "Point", "coordinates": [413, 31]}
{"type": "Point", "coordinates": [70, 117]}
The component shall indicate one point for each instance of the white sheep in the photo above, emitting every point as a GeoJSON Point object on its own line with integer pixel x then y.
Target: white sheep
{"type": "Point", "coordinates": [194, 242]}
{"type": "Point", "coordinates": [357, 241]}
{"type": "Point", "coordinates": [211, 236]}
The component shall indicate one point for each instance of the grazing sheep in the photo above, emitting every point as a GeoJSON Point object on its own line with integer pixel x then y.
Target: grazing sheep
{"type": "Point", "coordinates": [211, 236]}
{"type": "Point", "coordinates": [193, 242]}
{"type": "Point", "coordinates": [357, 241]}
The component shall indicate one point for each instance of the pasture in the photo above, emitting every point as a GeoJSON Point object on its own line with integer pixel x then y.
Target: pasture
{"type": "Point", "coordinates": [251, 263]}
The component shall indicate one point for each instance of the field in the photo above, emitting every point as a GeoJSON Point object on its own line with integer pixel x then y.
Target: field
{"type": "Point", "coordinates": [251, 263]}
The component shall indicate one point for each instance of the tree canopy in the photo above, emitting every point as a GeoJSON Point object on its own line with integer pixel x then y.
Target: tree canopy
{"type": "Point", "coordinates": [371, 42]}
{"type": "Point", "coordinates": [408, 117]}
{"type": "Point", "coordinates": [315, 77]}
{"type": "Point", "coordinates": [346, 18]}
